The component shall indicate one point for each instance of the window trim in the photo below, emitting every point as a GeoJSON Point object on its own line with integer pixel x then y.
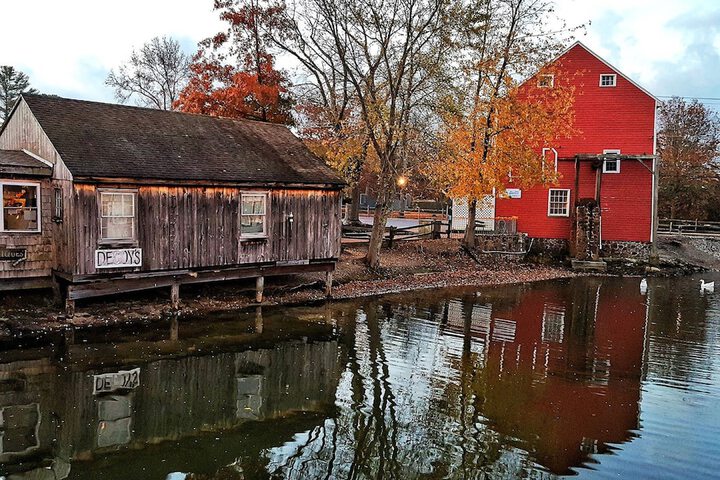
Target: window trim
{"type": "Point", "coordinates": [611, 152]}
{"type": "Point", "coordinates": [567, 202]}
{"type": "Point", "coordinates": [266, 195]}
{"type": "Point", "coordinates": [37, 185]}
{"type": "Point", "coordinates": [118, 241]}
{"type": "Point", "coordinates": [543, 76]}
{"type": "Point", "coordinates": [555, 155]}
{"type": "Point", "coordinates": [614, 77]}
{"type": "Point", "coordinates": [58, 206]}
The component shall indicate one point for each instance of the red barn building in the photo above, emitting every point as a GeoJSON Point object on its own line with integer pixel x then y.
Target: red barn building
{"type": "Point", "coordinates": [610, 162]}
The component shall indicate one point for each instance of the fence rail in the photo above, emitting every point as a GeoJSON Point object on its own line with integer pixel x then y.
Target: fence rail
{"type": "Point", "coordinates": [683, 226]}
{"type": "Point", "coordinates": [495, 226]}
{"type": "Point", "coordinates": [430, 230]}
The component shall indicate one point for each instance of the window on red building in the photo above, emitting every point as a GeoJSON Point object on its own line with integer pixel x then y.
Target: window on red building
{"type": "Point", "coordinates": [558, 202]}
{"type": "Point", "coordinates": [608, 80]}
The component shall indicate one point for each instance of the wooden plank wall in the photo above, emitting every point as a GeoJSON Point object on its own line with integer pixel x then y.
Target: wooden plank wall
{"type": "Point", "coordinates": [24, 132]}
{"type": "Point", "coordinates": [198, 227]}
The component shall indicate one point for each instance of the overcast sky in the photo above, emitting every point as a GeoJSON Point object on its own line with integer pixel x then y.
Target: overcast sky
{"type": "Point", "coordinates": [671, 47]}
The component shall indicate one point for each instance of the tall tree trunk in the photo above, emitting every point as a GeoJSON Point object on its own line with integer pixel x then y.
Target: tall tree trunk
{"type": "Point", "coordinates": [469, 238]}
{"type": "Point", "coordinates": [382, 212]}
{"type": "Point", "coordinates": [353, 212]}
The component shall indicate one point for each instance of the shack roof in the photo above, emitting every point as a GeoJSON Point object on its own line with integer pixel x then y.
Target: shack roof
{"type": "Point", "coordinates": [101, 140]}
{"type": "Point", "coordinates": [20, 162]}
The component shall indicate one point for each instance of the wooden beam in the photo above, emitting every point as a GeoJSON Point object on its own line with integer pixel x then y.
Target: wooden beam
{"type": "Point", "coordinates": [101, 287]}
{"type": "Point", "coordinates": [25, 283]}
{"type": "Point", "coordinates": [207, 183]}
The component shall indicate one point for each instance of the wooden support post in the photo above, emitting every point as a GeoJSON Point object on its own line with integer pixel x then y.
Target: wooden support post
{"type": "Point", "coordinates": [391, 237]}
{"type": "Point", "coordinates": [69, 308]}
{"type": "Point", "coordinates": [436, 230]}
{"type": "Point", "coordinates": [328, 284]}
{"type": "Point", "coordinates": [175, 295]}
{"type": "Point", "coordinates": [57, 293]}
{"type": "Point", "coordinates": [259, 286]}
{"type": "Point", "coordinates": [654, 257]}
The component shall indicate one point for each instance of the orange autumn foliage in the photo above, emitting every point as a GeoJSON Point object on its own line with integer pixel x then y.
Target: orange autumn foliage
{"type": "Point", "coordinates": [523, 122]}
{"type": "Point", "coordinates": [249, 86]}
{"type": "Point", "coordinates": [225, 91]}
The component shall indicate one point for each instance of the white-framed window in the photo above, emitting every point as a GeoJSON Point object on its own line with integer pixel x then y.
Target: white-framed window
{"type": "Point", "coordinates": [118, 213]}
{"type": "Point", "coordinates": [21, 206]}
{"type": "Point", "coordinates": [253, 214]}
{"type": "Point", "coordinates": [559, 202]}
{"type": "Point", "coordinates": [546, 81]}
{"type": "Point", "coordinates": [611, 165]}
{"type": "Point", "coordinates": [608, 80]}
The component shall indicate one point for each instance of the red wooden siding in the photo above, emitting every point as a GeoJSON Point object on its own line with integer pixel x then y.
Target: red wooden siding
{"type": "Point", "coordinates": [620, 117]}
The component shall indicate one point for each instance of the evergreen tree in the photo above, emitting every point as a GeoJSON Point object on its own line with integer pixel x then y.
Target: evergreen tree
{"type": "Point", "coordinates": [13, 83]}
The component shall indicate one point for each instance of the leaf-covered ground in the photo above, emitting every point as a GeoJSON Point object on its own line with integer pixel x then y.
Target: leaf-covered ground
{"type": "Point", "coordinates": [409, 266]}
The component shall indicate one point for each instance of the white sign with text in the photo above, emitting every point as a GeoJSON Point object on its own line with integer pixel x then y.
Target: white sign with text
{"type": "Point", "coordinates": [111, 382]}
{"type": "Point", "coordinates": [121, 258]}
{"type": "Point", "coordinates": [513, 193]}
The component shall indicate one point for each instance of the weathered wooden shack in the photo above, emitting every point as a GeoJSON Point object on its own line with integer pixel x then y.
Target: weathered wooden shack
{"type": "Point", "coordinates": [102, 198]}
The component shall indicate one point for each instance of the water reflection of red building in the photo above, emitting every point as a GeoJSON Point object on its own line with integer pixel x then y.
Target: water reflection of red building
{"type": "Point", "coordinates": [562, 367]}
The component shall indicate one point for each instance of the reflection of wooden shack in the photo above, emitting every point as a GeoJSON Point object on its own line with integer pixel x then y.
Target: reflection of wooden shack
{"type": "Point", "coordinates": [109, 198]}
{"type": "Point", "coordinates": [52, 417]}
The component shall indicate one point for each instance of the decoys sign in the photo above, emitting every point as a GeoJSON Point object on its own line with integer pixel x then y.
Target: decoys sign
{"type": "Point", "coordinates": [12, 254]}
{"type": "Point", "coordinates": [122, 380]}
{"type": "Point", "coordinates": [125, 257]}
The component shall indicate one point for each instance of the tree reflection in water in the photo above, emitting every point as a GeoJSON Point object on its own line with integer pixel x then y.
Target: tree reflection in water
{"type": "Point", "coordinates": [511, 382]}
{"type": "Point", "coordinates": [523, 381]}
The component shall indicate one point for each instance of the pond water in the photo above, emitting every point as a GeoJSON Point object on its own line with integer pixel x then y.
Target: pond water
{"type": "Point", "coordinates": [586, 377]}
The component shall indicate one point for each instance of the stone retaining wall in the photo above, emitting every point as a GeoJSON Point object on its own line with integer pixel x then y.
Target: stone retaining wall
{"type": "Point", "coordinates": [515, 243]}
{"type": "Point", "coordinates": [637, 250]}
{"type": "Point", "coordinates": [556, 248]}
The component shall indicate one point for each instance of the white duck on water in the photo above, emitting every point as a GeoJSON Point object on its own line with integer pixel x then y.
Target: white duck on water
{"type": "Point", "coordinates": [707, 286]}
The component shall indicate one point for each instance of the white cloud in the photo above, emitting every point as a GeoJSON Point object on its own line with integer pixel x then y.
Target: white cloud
{"type": "Point", "coordinates": [645, 39]}
{"type": "Point", "coordinates": [67, 47]}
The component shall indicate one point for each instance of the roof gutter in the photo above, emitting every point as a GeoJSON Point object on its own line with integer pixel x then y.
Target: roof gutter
{"type": "Point", "coordinates": [205, 183]}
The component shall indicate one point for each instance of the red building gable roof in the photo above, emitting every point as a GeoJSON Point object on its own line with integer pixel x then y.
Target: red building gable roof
{"type": "Point", "coordinates": [579, 44]}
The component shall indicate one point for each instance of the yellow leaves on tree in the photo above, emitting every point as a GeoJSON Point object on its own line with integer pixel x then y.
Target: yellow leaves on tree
{"type": "Point", "coordinates": [478, 155]}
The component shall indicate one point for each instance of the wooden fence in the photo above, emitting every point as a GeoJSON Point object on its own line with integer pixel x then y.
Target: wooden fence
{"type": "Point", "coordinates": [688, 227]}
{"type": "Point", "coordinates": [432, 230]}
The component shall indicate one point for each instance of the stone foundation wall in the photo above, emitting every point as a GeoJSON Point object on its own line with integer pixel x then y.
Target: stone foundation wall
{"type": "Point", "coordinates": [557, 248]}
{"type": "Point", "coordinates": [638, 250]}
{"type": "Point", "coordinates": [516, 243]}
{"type": "Point", "coordinates": [549, 248]}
